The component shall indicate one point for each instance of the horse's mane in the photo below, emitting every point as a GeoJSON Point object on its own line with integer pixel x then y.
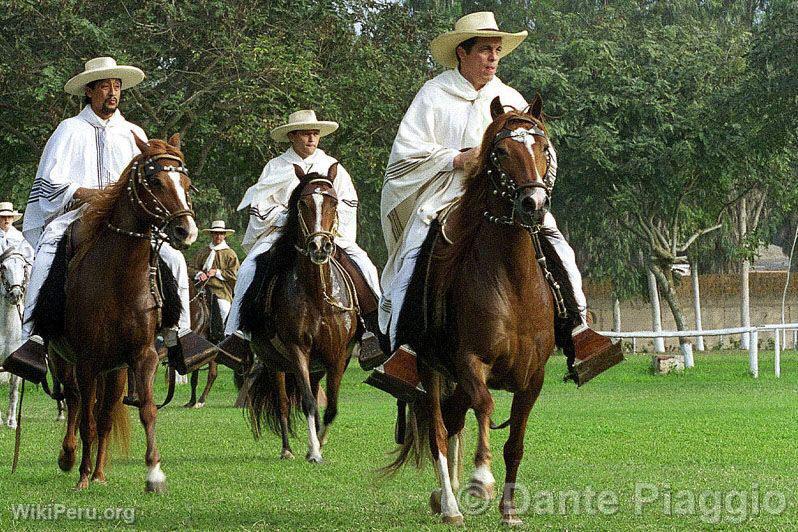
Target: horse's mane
{"type": "Point", "coordinates": [101, 205]}
{"type": "Point", "coordinates": [463, 225]}
{"type": "Point", "coordinates": [278, 261]}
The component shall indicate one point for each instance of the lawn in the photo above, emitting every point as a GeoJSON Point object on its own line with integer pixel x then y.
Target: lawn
{"type": "Point", "coordinates": [709, 448]}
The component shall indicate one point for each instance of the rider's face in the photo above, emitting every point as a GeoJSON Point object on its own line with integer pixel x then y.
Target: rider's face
{"type": "Point", "coordinates": [218, 238]}
{"type": "Point", "coordinates": [479, 66]}
{"type": "Point", "coordinates": [105, 97]}
{"type": "Point", "coordinates": [304, 141]}
{"type": "Point", "coordinates": [5, 222]}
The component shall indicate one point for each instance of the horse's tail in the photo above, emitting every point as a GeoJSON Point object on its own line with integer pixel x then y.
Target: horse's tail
{"type": "Point", "coordinates": [120, 429]}
{"type": "Point", "coordinates": [415, 448]}
{"type": "Point", "coordinates": [263, 400]}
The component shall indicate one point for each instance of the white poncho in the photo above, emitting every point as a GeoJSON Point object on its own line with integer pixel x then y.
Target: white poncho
{"type": "Point", "coordinates": [83, 152]}
{"type": "Point", "coordinates": [448, 114]}
{"type": "Point", "coordinates": [268, 198]}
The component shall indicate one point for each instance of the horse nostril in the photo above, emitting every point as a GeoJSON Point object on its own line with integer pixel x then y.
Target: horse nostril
{"type": "Point", "coordinates": [181, 232]}
{"type": "Point", "coordinates": [328, 247]}
{"type": "Point", "coordinates": [528, 204]}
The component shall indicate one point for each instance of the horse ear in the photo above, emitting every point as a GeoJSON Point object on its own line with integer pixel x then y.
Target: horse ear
{"type": "Point", "coordinates": [140, 143]}
{"type": "Point", "coordinates": [496, 108]}
{"type": "Point", "coordinates": [536, 107]}
{"type": "Point", "coordinates": [174, 140]}
{"type": "Point", "coordinates": [300, 173]}
{"type": "Point", "coordinates": [332, 172]}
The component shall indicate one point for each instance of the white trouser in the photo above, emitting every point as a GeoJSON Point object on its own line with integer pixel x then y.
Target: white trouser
{"type": "Point", "coordinates": [45, 253]}
{"type": "Point", "coordinates": [246, 273]}
{"type": "Point", "coordinates": [224, 308]}
{"type": "Point", "coordinates": [394, 296]}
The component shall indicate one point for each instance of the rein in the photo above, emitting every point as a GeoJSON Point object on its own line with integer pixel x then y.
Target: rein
{"type": "Point", "coordinates": [308, 236]}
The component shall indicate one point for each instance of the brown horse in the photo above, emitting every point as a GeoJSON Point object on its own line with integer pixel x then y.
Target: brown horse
{"type": "Point", "coordinates": [479, 312]}
{"type": "Point", "coordinates": [101, 312]}
{"type": "Point", "coordinates": [302, 314]}
{"type": "Point", "coordinates": [206, 322]}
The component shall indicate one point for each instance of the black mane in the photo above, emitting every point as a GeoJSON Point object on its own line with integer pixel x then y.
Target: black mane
{"type": "Point", "coordinates": [277, 262]}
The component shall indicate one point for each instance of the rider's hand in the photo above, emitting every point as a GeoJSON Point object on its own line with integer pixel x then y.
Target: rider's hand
{"type": "Point", "coordinates": [212, 272]}
{"type": "Point", "coordinates": [83, 194]}
{"type": "Point", "coordinates": [465, 158]}
{"type": "Point", "coordinates": [202, 277]}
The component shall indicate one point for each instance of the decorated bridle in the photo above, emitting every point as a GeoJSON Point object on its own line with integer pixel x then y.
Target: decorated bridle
{"type": "Point", "coordinates": [503, 186]}
{"type": "Point", "coordinates": [142, 176]}
{"type": "Point", "coordinates": [329, 237]}
{"type": "Point", "coordinates": [307, 234]}
{"type": "Point", "coordinates": [507, 190]}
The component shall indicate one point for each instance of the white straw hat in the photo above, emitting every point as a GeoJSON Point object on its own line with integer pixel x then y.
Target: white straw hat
{"type": "Point", "coordinates": [302, 120]}
{"type": "Point", "coordinates": [7, 209]}
{"type": "Point", "coordinates": [480, 24]}
{"type": "Point", "coordinates": [218, 226]}
{"type": "Point", "coordinates": [103, 68]}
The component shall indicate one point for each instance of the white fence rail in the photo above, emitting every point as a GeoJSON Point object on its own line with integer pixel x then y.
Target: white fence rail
{"type": "Point", "coordinates": [753, 344]}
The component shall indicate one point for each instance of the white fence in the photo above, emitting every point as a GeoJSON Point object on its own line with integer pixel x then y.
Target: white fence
{"type": "Point", "coordinates": [753, 343]}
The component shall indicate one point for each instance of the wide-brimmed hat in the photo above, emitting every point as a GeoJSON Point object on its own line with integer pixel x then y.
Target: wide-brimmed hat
{"type": "Point", "coordinates": [103, 68]}
{"type": "Point", "coordinates": [302, 120]}
{"type": "Point", "coordinates": [480, 24]}
{"type": "Point", "coordinates": [7, 209]}
{"type": "Point", "coordinates": [218, 226]}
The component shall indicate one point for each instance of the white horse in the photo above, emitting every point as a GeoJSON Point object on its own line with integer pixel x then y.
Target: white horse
{"type": "Point", "coordinates": [14, 275]}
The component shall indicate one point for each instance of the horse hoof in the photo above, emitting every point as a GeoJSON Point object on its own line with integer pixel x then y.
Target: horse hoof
{"type": "Point", "coordinates": [314, 459]}
{"type": "Point", "coordinates": [99, 480]}
{"type": "Point", "coordinates": [189, 405]}
{"type": "Point", "coordinates": [286, 455]}
{"type": "Point", "coordinates": [199, 405]}
{"type": "Point", "coordinates": [456, 520]}
{"type": "Point", "coordinates": [155, 486]}
{"type": "Point", "coordinates": [82, 484]}
{"type": "Point", "coordinates": [12, 425]}
{"type": "Point", "coordinates": [65, 463]}
{"type": "Point", "coordinates": [482, 491]}
{"type": "Point", "coordinates": [435, 501]}
{"type": "Point", "coordinates": [60, 417]}
{"type": "Point", "coordinates": [511, 520]}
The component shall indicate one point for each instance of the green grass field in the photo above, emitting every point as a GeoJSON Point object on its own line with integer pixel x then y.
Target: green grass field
{"type": "Point", "coordinates": [709, 448]}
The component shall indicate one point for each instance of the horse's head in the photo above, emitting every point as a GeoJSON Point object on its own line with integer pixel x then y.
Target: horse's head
{"type": "Point", "coordinates": [518, 159]}
{"type": "Point", "coordinates": [318, 214]}
{"type": "Point", "coordinates": [14, 274]}
{"type": "Point", "coordinates": [159, 187]}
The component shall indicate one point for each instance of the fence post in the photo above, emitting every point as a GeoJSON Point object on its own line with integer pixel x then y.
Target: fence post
{"type": "Point", "coordinates": [753, 353]}
{"type": "Point", "coordinates": [777, 348]}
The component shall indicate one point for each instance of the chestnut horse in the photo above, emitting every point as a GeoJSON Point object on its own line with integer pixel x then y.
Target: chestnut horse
{"type": "Point", "coordinates": [303, 318]}
{"type": "Point", "coordinates": [111, 305]}
{"type": "Point", "coordinates": [479, 312]}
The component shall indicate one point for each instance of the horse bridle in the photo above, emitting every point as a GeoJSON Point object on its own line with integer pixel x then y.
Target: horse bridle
{"type": "Point", "coordinates": [7, 286]}
{"type": "Point", "coordinates": [509, 191]}
{"type": "Point", "coordinates": [142, 176]}
{"type": "Point", "coordinates": [329, 236]}
{"type": "Point", "coordinates": [307, 234]}
{"type": "Point", "coordinates": [503, 186]}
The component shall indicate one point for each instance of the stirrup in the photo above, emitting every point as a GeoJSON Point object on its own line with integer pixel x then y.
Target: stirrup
{"type": "Point", "coordinates": [398, 376]}
{"type": "Point", "coordinates": [29, 361]}
{"type": "Point", "coordinates": [191, 353]}
{"type": "Point", "coordinates": [594, 355]}
{"type": "Point", "coordinates": [371, 355]}
{"type": "Point", "coordinates": [235, 353]}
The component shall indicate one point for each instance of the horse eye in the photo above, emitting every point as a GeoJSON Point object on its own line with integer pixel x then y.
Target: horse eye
{"type": "Point", "coordinates": [501, 152]}
{"type": "Point", "coordinates": [156, 183]}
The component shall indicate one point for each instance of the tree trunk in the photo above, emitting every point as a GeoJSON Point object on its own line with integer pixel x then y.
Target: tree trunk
{"type": "Point", "coordinates": [745, 301]}
{"type": "Point", "coordinates": [656, 318]}
{"type": "Point", "coordinates": [697, 303]}
{"type": "Point", "coordinates": [616, 315]}
{"type": "Point", "coordinates": [665, 280]}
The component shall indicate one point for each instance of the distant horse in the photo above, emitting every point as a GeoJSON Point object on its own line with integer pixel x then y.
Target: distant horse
{"type": "Point", "coordinates": [301, 311]}
{"type": "Point", "coordinates": [479, 312]}
{"type": "Point", "coordinates": [205, 321]}
{"type": "Point", "coordinates": [100, 310]}
{"type": "Point", "coordinates": [14, 275]}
